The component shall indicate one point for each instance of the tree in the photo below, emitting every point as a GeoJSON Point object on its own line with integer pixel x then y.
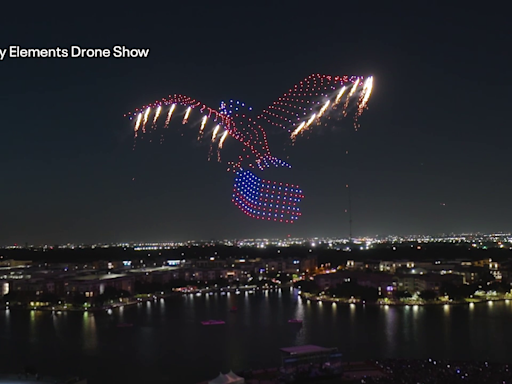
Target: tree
{"type": "Point", "coordinates": [402, 294]}
{"type": "Point", "coordinates": [486, 276]}
{"type": "Point", "coordinates": [49, 298]}
{"type": "Point", "coordinates": [428, 295]}
{"type": "Point", "coordinates": [177, 283]}
{"type": "Point", "coordinates": [458, 292]}
{"type": "Point", "coordinates": [141, 287]}
{"type": "Point", "coordinates": [369, 294]}
{"type": "Point", "coordinates": [78, 299]}
{"type": "Point", "coordinates": [11, 296]}
{"type": "Point", "coordinates": [220, 283]}
{"type": "Point", "coordinates": [354, 290]}
{"type": "Point", "coordinates": [308, 286]}
{"type": "Point", "coordinates": [499, 287]}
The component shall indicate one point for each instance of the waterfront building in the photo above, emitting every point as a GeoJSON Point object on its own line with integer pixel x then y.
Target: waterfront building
{"type": "Point", "coordinates": [94, 285]}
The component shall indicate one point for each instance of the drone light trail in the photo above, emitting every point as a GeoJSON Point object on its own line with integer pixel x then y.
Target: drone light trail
{"type": "Point", "coordinates": [338, 97]}
{"type": "Point", "coordinates": [352, 91]}
{"type": "Point", "coordinates": [367, 90]}
{"type": "Point", "coordinates": [185, 118]}
{"type": "Point", "coordinates": [137, 123]}
{"type": "Point", "coordinates": [146, 115]}
{"type": "Point", "coordinates": [222, 138]}
{"type": "Point", "coordinates": [311, 119]}
{"type": "Point", "coordinates": [203, 123]}
{"type": "Point", "coordinates": [324, 108]}
{"type": "Point", "coordinates": [215, 131]}
{"type": "Point", "coordinates": [299, 128]}
{"type": "Point", "coordinates": [157, 113]}
{"type": "Point", "coordinates": [169, 115]}
{"type": "Point", "coordinates": [354, 87]}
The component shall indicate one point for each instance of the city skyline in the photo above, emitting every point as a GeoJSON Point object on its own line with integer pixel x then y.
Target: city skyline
{"type": "Point", "coordinates": [500, 238]}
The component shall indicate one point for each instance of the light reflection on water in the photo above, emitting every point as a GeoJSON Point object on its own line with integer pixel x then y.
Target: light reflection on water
{"type": "Point", "coordinates": [391, 323]}
{"type": "Point", "coordinates": [301, 331]}
{"type": "Point", "coordinates": [167, 335]}
{"type": "Point", "coordinates": [90, 335]}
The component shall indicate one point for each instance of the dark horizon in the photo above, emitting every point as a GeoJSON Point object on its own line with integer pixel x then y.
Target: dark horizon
{"type": "Point", "coordinates": [431, 155]}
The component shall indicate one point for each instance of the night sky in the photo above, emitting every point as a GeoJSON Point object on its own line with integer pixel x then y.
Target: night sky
{"type": "Point", "coordinates": [437, 130]}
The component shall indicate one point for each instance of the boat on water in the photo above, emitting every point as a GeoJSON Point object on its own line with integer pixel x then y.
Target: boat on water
{"type": "Point", "coordinates": [295, 321]}
{"type": "Point", "coordinates": [213, 322]}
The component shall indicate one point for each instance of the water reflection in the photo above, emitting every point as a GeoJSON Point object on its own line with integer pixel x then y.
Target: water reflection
{"type": "Point", "coordinates": [299, 313]}
{"type": "Point", "coordinates": [352, 313]}
{"type": "Point", "coordinates": [162, 306]}
{"type": "Point", "coordinates": [299, 309]}
{"type": "Point", "coordinates": [90, 336]}
{"type": "Point", "coordinates": [391, 324]}
{"type": "Point", "coordinates": [32, 333]}
{"type": "Point", "coordinates": [251, 337]}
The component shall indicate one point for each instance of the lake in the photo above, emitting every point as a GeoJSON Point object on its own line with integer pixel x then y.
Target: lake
{"type": "Point", "coordinates": [167, 342]}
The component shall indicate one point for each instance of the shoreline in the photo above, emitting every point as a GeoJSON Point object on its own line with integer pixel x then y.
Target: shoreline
{"type": "Point", "coordinates": [399, 304]}
{"type": "Point", "coordinates": [57, 308]}
{"type": "Point", "coordinates": [305, 296]}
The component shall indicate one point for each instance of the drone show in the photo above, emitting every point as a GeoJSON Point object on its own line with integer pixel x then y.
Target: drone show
{"type": "Point", "coordinates": [315, 102]}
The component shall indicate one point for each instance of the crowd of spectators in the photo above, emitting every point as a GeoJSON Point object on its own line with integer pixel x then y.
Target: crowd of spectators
{"type": "Point", "coordinates": [432, 371]}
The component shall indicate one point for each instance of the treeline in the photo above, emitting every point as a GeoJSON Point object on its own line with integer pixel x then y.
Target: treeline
{"type": "Point", "coordinates": [150, 288]}
{"type": "Point", "coordinates": [353, 290]}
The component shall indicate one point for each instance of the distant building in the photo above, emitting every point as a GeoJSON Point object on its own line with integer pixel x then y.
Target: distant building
{"type": "Point", "coordinates": [15, 263]}
{"type": "Point", "coordinates": [392, 265]}
{"type": "Point", "coordinates": [427, 282]}
{"type": "Point", "coordinates": [351, 264]}
{"type": "Point", "coordinates": [94, 285]}
{"type": "Point", "coordinates": [384, 282]}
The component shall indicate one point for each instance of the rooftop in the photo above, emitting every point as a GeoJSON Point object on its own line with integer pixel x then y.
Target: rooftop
{"type": "Point", "coordinates": [30, 379]}
{"type": "Point", "coordinates": [153, 269]}
{"type": "Point", "coordinates": [305, 349]}
{"type": "Point", "coordinates": [98, 277]}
